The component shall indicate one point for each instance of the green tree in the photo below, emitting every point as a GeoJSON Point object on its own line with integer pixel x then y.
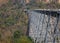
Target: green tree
{"type": "Point", "coordinates": [16, 34]}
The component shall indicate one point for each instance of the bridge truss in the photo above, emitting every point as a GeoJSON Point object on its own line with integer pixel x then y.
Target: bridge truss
{"type": "Point", "coordinates": [44, 26]}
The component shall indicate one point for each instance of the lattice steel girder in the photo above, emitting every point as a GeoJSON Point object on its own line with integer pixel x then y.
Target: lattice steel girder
{"type": "Point", "coordinates": [44, 26]}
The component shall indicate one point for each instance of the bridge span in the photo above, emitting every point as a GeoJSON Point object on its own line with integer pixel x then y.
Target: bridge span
{"type": "Point", "coordinates": [44, 25]}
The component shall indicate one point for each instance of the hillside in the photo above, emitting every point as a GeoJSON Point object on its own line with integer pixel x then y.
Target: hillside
{"type": "Point", "coordinates": [3, 2]}
{"type": "Point", "coordinates": [12, 20]}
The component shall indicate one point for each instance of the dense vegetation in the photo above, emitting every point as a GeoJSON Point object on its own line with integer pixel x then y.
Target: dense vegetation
{"type": "Point", "coordinates": [13, 23]}
{"type": "Point", "coordinates": [42, 5]}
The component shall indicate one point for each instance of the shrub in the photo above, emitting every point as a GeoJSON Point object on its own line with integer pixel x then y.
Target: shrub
{"type": "Point", "coordinates": [23, 39]}
{"type": "Point", "coordinates": [16, 34]}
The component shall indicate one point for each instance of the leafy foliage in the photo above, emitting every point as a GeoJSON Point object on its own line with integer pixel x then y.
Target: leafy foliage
{"type": "Point", "coordinates": [23, 39]}
{"type": "Point", "coordinates": [16, 34]}
{"type": "Point", "coordinates": [12, 18]}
